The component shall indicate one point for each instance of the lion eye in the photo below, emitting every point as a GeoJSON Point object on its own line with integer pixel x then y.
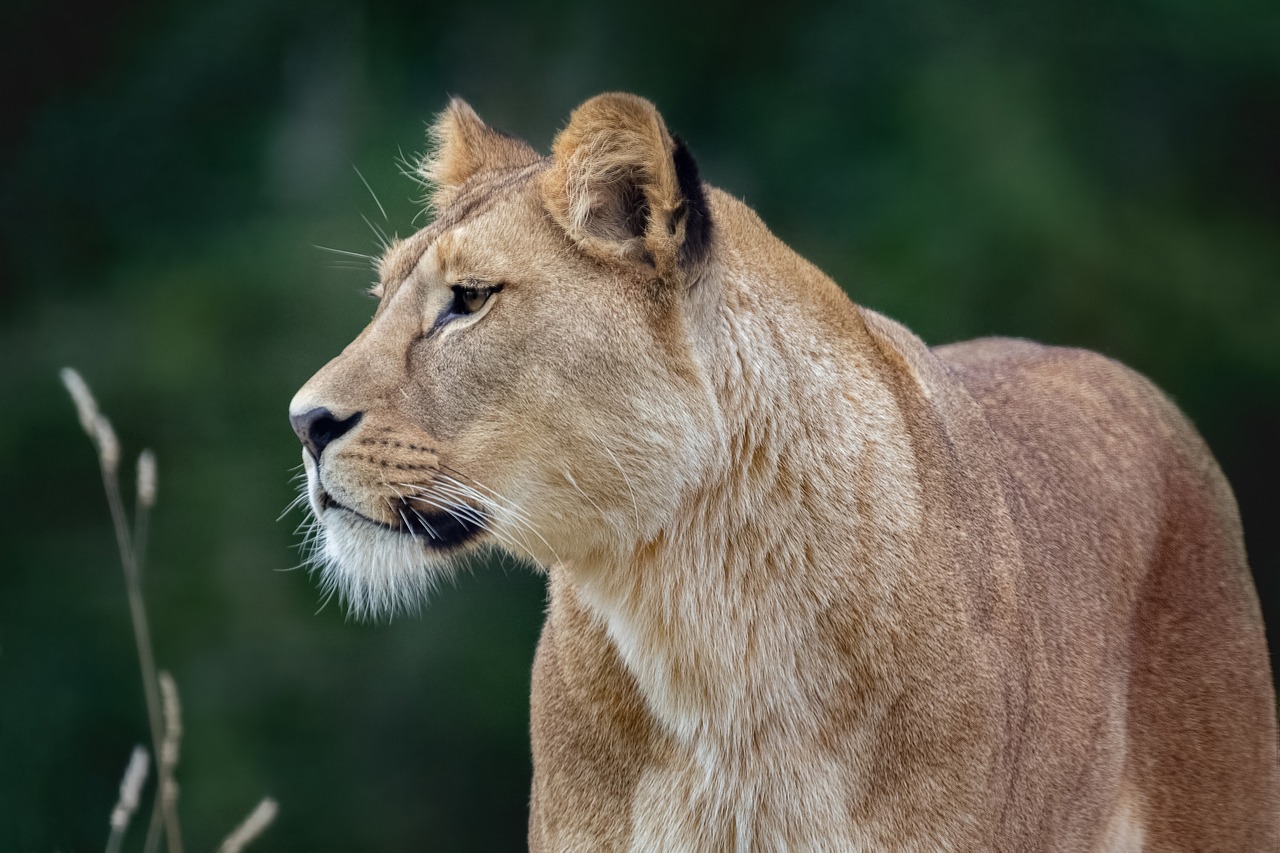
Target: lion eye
{"type": "Point", "coordinates": [468, 299]}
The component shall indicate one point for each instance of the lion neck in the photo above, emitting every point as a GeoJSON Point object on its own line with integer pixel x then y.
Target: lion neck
{"type": "Point", "coordinates": [794, 539]}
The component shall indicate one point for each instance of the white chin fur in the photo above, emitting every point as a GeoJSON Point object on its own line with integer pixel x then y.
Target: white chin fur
{"type": "Point", "coordinates": [375, 572]}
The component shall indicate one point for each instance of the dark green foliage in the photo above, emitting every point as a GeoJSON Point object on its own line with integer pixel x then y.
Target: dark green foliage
{"type": "Point", "coordinates": [1097, 174]}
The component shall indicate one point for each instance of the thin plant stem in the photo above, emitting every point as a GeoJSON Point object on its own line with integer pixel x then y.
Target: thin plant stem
{"type": "Point", "coordinates": [141, 520]}
{"type": "Point", "coordinates": [142, 639]}
{"type": "Point", "coordinates": [253, 826]}
{"type": "Point", "coordinates": [116, 839]}
{"type": "Point", "coordinates": [155, 828]}
{"type": "Point", "coordinates": [135, 776]}
{"type": "Point", "coordinates": [132, 553]}
{"type": "Point", "coordinates": [144, 499]}
{"type": "Point", "coordinates": [171, 707]}
{"type": "Point", "coordinates": [137, 610]}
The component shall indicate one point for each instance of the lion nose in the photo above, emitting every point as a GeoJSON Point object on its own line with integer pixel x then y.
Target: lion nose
{"type": "Point", "coordinates": [318, 427]}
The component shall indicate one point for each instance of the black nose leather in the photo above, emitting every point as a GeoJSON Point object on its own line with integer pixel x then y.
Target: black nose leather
{"type": "Point", "coordinates": [318, 427]}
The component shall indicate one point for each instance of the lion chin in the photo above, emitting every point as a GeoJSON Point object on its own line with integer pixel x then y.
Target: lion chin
{"type": "Point", "coordinates": [378, 571]}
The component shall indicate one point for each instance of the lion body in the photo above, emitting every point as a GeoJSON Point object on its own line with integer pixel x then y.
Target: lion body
{"type": "Point", "coordinates": [813, 586]}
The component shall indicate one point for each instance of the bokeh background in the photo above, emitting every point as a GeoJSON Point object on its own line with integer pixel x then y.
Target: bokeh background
{"type": "Point", "coordinates": [1082, 172]}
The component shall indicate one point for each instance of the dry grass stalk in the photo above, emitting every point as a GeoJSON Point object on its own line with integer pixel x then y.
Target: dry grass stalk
{"type": "Point", "coordinates": [108, 446]}
{"type": "Point", "coordinates": [172, 722]}
{"type": "Point", "coordinates": [146, 499]}
{"type": "Point", "coordinates": [146, 479]}
{"type": "Point", "coordinates": [86, 406]}
{"type": "Point", "coordinates": [164, 711]}
{"type": "Point", "coordinates": [254, 825]}
{"type": "Point", "coordinates": [167, 792]}
{"type": "Point", "coordinates": [135, 776]}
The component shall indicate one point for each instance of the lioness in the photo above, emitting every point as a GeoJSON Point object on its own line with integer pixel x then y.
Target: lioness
{"type": "Point", "coordinates": [813, 585]}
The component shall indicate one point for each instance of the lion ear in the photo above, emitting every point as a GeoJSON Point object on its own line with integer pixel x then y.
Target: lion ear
{"type": "Point", "coordinates": [625, 189]}
{"type": "Point", "coordinates": [462, 145]}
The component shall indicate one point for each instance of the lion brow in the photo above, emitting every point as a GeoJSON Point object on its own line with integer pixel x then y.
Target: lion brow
{"type": "Point", "coordinates": [473, 201]}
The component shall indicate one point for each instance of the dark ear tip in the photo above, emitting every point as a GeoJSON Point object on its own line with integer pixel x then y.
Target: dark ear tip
{"type": "Point", "coordinates": [695, 210]}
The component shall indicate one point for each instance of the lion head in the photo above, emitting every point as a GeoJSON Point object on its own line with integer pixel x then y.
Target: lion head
{"type": "Point", "coordinates": [534, 377]}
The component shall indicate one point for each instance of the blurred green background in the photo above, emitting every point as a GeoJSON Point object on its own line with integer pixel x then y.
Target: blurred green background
{"type": "Point", "coordinates": [1090, 173]}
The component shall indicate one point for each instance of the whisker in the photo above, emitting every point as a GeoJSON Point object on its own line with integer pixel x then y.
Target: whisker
{"type": "Point", "coordinates": [400, 512]}
{"type": "Point", "coordinates": [370, 258]}
{"type": "Point", "coordinates": [381, 209]}
{"type": "Point", "coordinates": [448, 485]}
{"type": "Point", "coordinates": [574, 483]}
{"type": "Point", "coordinates": [444, 490]}
{"type": "Point", "coordinates": [472, 490]}
{"type": "Point", "coordinates": [470, 515]}
{"type": "Point", "coordinates": [292, 505]}
{"type": "Point", "coordinates": [430, 530]}
{"type": "Point", "coordinates": [384, 242]}
{"type": "Point", "coordinates": [332, 590]}
{"type": "Point", "coordinates": [410, 169]}
{"type": "Point", "coordinates": [635, 506]}
{"type": "Point", "coordinates": [516, 518]}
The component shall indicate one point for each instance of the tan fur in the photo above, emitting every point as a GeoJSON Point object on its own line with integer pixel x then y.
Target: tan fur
{"type": "Point", "coordinates": [462, 146]}
{"type": "Point", "coordinates": [608, 141]}
{"type": "Point", "coordinates": [814, 586]}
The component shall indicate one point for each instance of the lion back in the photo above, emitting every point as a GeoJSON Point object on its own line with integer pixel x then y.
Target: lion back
{"type": "Point", "coordinates": [1148, 669]}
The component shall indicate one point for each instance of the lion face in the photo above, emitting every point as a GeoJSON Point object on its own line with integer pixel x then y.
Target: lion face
{"type": "Point", "coordinates": [532, 378]}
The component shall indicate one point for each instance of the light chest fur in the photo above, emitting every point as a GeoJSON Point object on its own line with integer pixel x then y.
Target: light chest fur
{"type": "Point", "coordinates": [694, 614]}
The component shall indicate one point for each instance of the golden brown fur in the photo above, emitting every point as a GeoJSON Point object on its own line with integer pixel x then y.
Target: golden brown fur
{"type": "Point", "coordinates": [814, 586]}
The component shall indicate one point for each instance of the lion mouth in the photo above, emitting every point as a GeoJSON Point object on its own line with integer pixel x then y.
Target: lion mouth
{"type": "Point", "coordinates": [440, 529]}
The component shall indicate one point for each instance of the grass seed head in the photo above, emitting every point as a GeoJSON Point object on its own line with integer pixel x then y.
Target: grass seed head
{"type": "Point", "coordinates": [86, 406]}
{"type": "Point", "coordinates": [147, 479]}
